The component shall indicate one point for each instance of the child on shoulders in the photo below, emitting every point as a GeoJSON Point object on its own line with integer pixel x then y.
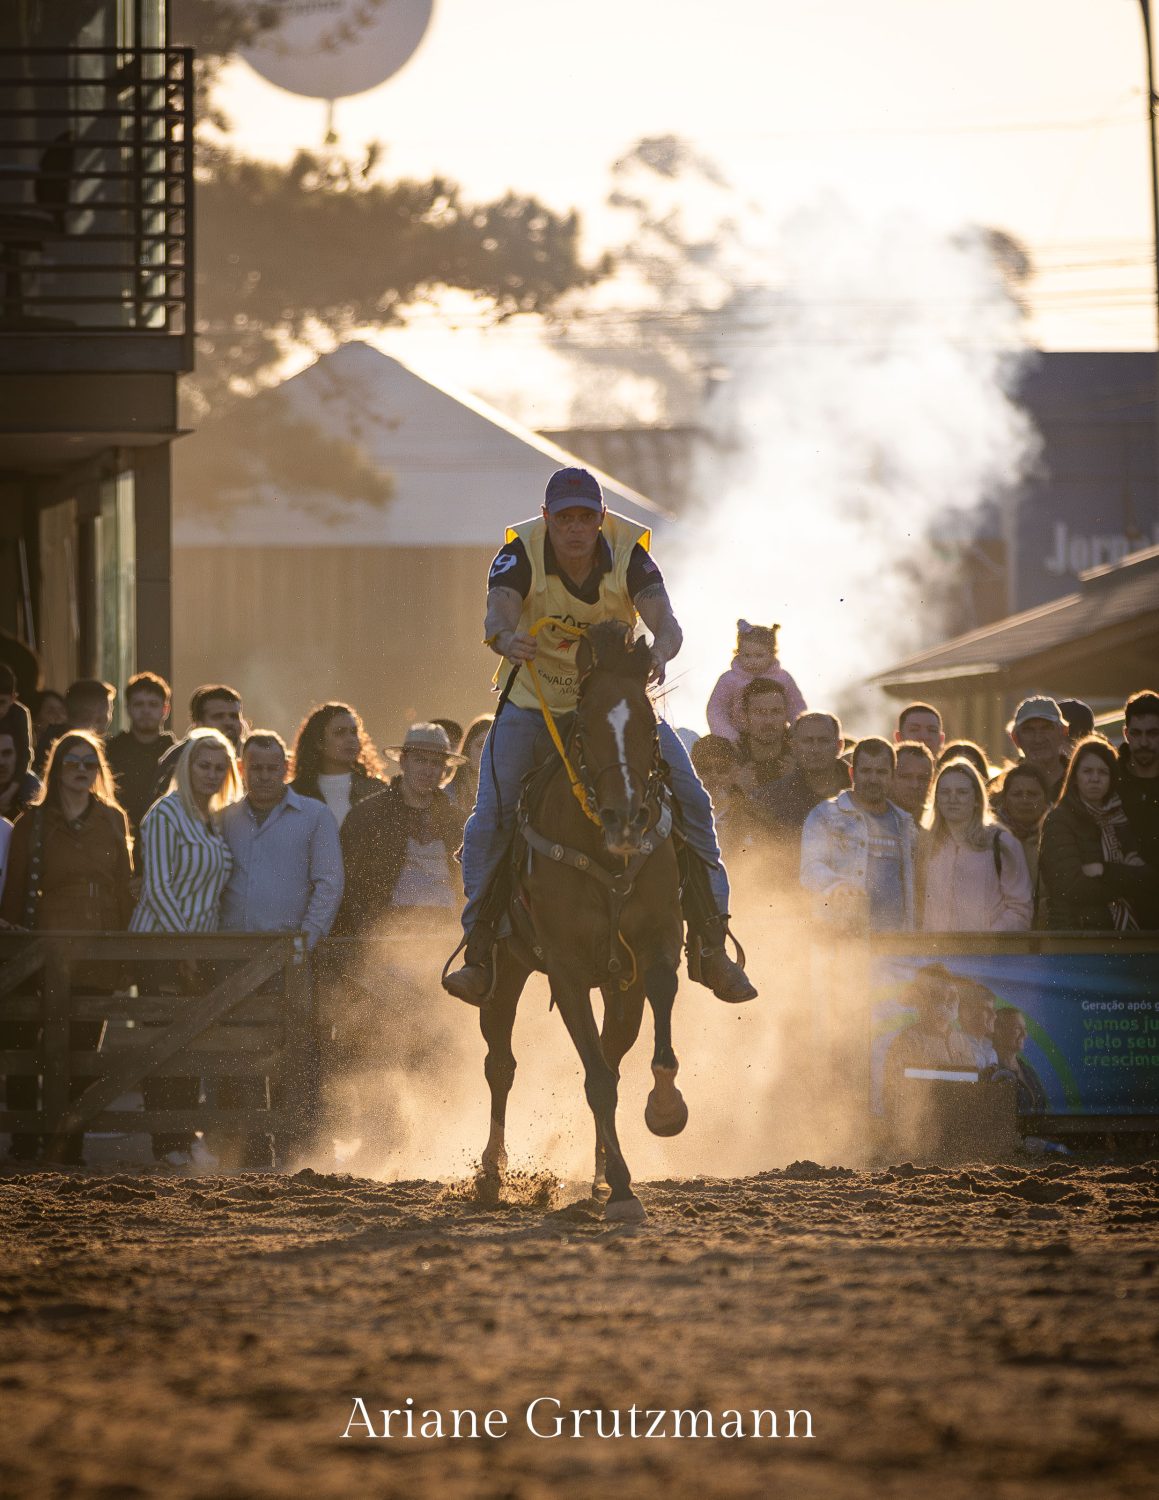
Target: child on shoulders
{"type": "Point", "coordinates": [756, 656]}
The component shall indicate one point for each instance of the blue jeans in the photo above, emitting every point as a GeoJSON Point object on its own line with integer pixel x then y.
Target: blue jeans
{"type": "Point", "coordinates": [517, 738]}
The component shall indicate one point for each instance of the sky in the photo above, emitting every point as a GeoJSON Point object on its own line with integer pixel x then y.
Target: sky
{"type": "Point", "coordinates": [859, 138]}
{"type": "Point", "coordinates": [1027, 115]}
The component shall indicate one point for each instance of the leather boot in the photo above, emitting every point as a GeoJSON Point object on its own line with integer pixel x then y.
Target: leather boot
{"type": "Point", "coordinates": [474, 981]}
{"type": "Point", "coordinates": [710, 965]}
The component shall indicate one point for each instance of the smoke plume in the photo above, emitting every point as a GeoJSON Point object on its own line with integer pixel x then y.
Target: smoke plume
{"type": "Point", "coordinates": [867, 408]}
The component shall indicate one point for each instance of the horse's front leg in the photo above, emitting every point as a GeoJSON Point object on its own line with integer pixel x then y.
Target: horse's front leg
{"type": "Point", "coordinates": [497, 1022]}
{"type": "Point", "coordinates": [622, 1016]}
{"type": "Point", "coordinates": [665, 1112]}
{"type": "Point", "coordinates": [600, 1084]}
{"type": "Point", "coordinates": [601, 1192]}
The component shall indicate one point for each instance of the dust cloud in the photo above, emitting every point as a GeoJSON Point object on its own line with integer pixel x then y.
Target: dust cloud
{"type": "Point", "coordinates": [768, 1082]}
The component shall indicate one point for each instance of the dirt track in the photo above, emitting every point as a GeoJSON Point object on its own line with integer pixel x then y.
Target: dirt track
{"type": "Point", "coordinates": [962, 1332]}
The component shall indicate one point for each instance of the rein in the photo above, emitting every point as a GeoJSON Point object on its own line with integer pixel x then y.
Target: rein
{"type": "Point", "coordinates": [617, 886]}
{"type": "Point", "coordinates": [578, 789]}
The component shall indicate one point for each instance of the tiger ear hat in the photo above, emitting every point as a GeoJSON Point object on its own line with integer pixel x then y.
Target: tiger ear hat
{"type": "Point", "coordinates": [743, 628]}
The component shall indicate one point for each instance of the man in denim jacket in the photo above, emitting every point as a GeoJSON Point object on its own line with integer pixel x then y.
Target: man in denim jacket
{"type": "Point", "coordinates": [857, 849]}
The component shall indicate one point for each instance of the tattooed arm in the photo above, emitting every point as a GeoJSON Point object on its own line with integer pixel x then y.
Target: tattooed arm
{"type": "Point", "coordinates": [655, 609]}
{"type": "Point", "coordinates": [501, 626]}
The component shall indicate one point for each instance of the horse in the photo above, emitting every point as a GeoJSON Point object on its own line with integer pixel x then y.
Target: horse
{"type": "Point", "coordinates": [595, 903]}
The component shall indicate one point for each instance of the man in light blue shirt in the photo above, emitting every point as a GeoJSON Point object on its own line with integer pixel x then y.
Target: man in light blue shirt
{"type": "Point", "coordinates": [286, 877]}
{"type": "Point", "coordinates": [287, 860]}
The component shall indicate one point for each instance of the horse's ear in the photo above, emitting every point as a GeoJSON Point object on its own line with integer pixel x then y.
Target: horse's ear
{"type": "Point", "coordinates": [642, 658]}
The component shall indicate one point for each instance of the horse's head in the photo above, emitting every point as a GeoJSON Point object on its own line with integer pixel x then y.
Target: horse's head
{"type": "Point", "coordinates": [616, 730]}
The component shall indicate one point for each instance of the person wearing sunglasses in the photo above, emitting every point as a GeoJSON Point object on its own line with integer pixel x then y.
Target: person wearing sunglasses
{"type": "Point", "coordinates": [69, 868]}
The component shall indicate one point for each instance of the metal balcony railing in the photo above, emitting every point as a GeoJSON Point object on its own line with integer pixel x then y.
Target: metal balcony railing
{"type": "Point", "coordinates": [96, 190]}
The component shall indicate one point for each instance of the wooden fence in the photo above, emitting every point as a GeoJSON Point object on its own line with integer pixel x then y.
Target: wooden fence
{"type": "Point", "coordinates": [243, 1006]}
{"type": "Point", "coordinates": [210, 1007]}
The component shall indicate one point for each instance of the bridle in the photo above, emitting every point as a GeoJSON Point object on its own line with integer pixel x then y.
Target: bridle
{"type": "Point", "coordinates": [617, 885]}
{"type": "Point", "coordinates": [650, 784]}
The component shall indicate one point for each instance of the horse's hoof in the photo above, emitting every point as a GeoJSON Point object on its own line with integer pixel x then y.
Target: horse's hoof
{"type": "Point", "coordinates": [493, 1166]}
{"type": "Point", "coordinates": [601, 1192]}
{"type": "Point", "coordinates": [488, 1187]}
{"type": "Point", "coordinates": [624, 1211]}
{"type": "Point", "coordinates": [665, 1113]}
{"type": "Point", "coordinates": [491, 1176]}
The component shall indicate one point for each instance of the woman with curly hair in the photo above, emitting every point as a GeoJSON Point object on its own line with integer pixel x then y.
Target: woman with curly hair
{"type": "Point", "coordinates": [334, 759]}
{"type": "Point", "coordinates": [1088, 857]}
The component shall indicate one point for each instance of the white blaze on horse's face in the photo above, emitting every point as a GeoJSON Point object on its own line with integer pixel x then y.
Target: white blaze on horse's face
{"type": "Point", "coordinates": [618, 720]}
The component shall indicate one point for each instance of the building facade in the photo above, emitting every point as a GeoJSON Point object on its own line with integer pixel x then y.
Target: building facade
{"type": "Point", "coordinates": [96, 327]}
{"type": "Point", "coordinates": [1092, 499]}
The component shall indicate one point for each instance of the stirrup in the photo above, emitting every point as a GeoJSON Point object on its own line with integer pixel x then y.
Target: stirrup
{"type": "Point", "coordinates": [697, 950]}
{"type": "Point", "coordinates": [696, 944]}
{"type": "Point", "coordinates": [464, 993]}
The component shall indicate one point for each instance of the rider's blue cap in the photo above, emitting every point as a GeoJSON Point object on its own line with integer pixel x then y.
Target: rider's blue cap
{"type": "Point", "coordinates": [568, 487]}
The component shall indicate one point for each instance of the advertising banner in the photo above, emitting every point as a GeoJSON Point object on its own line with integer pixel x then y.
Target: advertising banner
{"type": "Point", "coordinates": [1078, 1033]}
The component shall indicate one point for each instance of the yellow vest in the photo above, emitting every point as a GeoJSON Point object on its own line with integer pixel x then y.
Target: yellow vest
{"type": "Point", "coordinates": [555, 660]}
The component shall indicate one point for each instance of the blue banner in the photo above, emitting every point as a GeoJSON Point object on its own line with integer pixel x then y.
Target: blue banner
{"type": "Point", "coordinates": [1077, 1032]}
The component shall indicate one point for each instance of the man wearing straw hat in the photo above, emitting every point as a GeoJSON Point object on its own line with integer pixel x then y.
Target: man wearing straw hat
{"type": "Point", "coordinates": [580, 564]}
{"type": "Point", "coordinates": [398, 846]}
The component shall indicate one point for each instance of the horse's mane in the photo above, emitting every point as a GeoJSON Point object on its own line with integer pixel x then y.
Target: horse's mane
{"type": "Point", "coordinates": [615, 651]}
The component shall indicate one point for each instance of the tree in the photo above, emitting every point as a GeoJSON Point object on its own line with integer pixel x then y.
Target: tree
{"type": "Point", "coordinates": [294, 259]}
{"type": "Point", "coordinates": [305, 255]}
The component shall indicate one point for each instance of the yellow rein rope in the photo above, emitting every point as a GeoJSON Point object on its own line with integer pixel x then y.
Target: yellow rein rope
{"type": "Point", "coordinates": [577, 787]}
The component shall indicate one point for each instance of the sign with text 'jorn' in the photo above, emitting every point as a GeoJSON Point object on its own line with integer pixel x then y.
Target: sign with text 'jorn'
{"type": "Point", "coordinates": [1092, 498]}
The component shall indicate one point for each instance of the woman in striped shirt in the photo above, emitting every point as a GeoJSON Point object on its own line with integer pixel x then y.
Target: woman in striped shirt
{"type": "Point", "coordinates": [186, 864]}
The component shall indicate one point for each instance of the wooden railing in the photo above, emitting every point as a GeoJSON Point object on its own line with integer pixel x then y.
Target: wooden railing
{"type": "Point", "coordinates": [244, 1006]}
{"type": "Point", "coordinates": [208, 1007]}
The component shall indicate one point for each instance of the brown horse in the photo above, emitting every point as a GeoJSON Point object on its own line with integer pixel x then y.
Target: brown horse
{"type": "Point", "coordinates": [600, 909]}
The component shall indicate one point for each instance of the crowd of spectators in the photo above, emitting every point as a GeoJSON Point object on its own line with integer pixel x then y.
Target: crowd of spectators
{"type": "Point", "coordinates": [920, 833]}
{"type": "Point", "coordinates": [226, 830]}
{"type": "Point", "coordinates": [887, 833]}
{"type": "Point", "coordinates": [229, 829]}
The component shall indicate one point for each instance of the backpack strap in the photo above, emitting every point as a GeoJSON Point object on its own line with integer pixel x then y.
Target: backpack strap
{"type": "Point", "coordinates": [997, 852]}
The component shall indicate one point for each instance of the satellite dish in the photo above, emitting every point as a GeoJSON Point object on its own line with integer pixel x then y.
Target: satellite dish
{"type": "Point", "coordinates": [329, 49]}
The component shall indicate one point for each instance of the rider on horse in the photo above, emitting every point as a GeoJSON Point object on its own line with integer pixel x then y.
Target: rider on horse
{"type": "Point", "coordinates": [579, 563]}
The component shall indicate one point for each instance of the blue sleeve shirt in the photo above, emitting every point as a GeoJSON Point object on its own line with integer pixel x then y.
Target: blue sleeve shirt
{"type": "Point", "coordinates": [287, 871]}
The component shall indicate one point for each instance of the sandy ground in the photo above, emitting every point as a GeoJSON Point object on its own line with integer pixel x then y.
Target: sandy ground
{"type": "Point", "coordinates": [958, 1331]}
{"type": "Point", "coordinates": [953, 1331]}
